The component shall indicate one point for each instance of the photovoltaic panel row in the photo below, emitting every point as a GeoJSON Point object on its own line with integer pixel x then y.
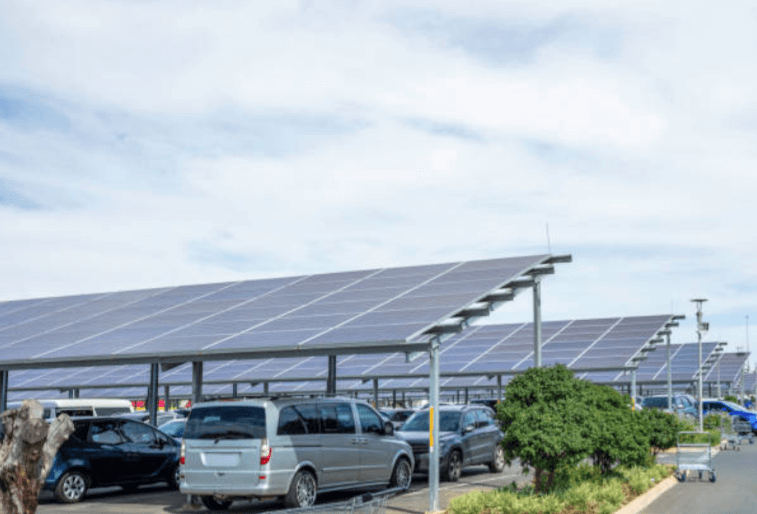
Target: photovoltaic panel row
{"type": "Point", "coordinates": [390, 304]}
{"type": "Point", "coordinates": [730, 365]}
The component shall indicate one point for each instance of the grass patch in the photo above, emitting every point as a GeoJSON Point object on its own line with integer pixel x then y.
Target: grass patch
{"type": "Point", "coordinates": [581, 491]}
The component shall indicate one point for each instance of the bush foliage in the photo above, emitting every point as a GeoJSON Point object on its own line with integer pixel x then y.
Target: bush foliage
{"type": "Point", "coordinates": [553, 420]}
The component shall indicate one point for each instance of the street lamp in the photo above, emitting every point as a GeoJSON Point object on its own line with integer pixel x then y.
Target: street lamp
{"type": "Point", "coordinates": [702, 328]}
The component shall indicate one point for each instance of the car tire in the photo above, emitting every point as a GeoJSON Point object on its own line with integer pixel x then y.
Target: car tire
{"type": "Point", "coordinates": [497, 465]}
{"type": "Point", "coordinates": [212, 504]}
{"type": "Point", "coordinates": [402, 475]}
{"type": "Point", "coordinates": [173, 478]}
{"type": "Point", "coordinates": [302, 491]}
{"type": "Point", "coordinates": [72, 487]}
{"type": "Point", "coordinates": [454, 467]}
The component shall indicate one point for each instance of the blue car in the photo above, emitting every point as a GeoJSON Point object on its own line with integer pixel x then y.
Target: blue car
{"type": "Point", "coordinates": [112, 451]}
{"type": "Point", "coordinates": [732, 409]}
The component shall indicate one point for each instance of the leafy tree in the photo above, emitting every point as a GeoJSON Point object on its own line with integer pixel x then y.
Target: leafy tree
{"type": "Point", "coordinates": [731, 398]}
{"type": "Point", "coordinates": [619, 433]}
{"type": "Point", "coordinates": [547, 422]}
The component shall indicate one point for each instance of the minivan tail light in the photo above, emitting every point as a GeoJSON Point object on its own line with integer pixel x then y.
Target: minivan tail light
{"type": "Point", "coordinates": [265, 452]}
{"type": "Point", "coordinates": [183, 451]}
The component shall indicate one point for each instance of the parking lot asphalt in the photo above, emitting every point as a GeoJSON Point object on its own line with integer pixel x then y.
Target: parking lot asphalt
{"type": "Point", "coordinates": [159, 499]}
{"type": "Point", "coordinates": [734, 491]}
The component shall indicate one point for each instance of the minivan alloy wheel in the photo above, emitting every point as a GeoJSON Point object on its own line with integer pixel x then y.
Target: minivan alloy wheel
{"type": "Point", "coordinates": [302, 491]}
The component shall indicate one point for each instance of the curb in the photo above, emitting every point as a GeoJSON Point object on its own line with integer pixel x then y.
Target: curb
{"type": "Point", "coordinates": [641, 502]}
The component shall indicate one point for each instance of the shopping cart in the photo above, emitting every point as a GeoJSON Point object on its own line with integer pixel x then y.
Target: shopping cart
{"type": "Point", "coordinates": [739, 431]}
{"type": "Point", "coordinates": [369, 503]}
{"type": "Point", "coordinates": [694, 456]}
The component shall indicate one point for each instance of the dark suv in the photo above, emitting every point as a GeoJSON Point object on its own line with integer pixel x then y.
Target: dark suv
{"type": "Point", "coordinates": [468, 435]}
{"type": "Point", "coordinates": [107, 451]}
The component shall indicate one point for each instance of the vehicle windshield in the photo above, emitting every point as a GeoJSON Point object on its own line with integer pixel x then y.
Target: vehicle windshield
{"type": "Point", "coordinates": [174, 428]}
{"type": "Point", "coordinates": [448, 422]}
{"type": "Point", "coordinates": [226, 422]}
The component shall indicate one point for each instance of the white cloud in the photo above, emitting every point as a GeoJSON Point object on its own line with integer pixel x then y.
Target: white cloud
{"type": "Point", "coordinates": [177, 143]}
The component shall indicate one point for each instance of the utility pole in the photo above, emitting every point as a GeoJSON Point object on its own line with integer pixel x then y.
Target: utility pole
{"type": "Point", "coordinates": [702, 328]}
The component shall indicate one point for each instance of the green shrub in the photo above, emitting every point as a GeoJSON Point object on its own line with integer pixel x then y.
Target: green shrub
{"type": "Point", "coordinates": [661, 429]}
{"type": "Point", "coordinates": [547, 422]}
{"type": "Point", "coordinates": [731, 398]}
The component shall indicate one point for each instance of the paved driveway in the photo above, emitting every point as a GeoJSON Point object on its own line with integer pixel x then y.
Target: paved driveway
{"type": "Point", "coordinates": [159, 499]}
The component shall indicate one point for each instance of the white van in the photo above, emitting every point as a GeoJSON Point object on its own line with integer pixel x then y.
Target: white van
{"type": "Point", "coordinates": [81, 407]}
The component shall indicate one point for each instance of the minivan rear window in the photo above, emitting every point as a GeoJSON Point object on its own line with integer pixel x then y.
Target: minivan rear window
{"type": "Point", "coordinates": [226, 422]}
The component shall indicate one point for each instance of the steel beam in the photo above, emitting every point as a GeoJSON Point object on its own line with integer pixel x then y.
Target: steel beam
{"type": "Point", "coordinates": [153, 393]}
{"type": "Point", "coordinates": [331, 380]}
{"type": "Point", "coordinates": [633, 389]}
{"type": "Point", "coordinates": [537, 322]}
{"type": "Point", "coordinates": [670, 374]}
{"type": "Point", "coordinates": [376, 393]}
{"type": "Point", "coordinates": [3, 390]}
{"type": "Point", "coordinates": [433, 453]}
{"type": "Point", "coordinates": [196, 382]}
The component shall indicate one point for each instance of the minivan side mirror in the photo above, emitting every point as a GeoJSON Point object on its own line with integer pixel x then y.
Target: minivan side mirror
{"type": "Point", "coordinates": [469, 428]}
{"type": "Point", "coordinates": [388, 428]}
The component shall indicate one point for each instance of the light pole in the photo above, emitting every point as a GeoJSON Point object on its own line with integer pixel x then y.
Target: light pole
{"type": "Point", "coordinates": [702, 328]}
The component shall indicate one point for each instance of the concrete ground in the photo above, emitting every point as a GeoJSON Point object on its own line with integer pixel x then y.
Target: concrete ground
{"type": "Point", "coordinates": [734, 491]}
{"type": "Point", "coordinates": [159, 499]}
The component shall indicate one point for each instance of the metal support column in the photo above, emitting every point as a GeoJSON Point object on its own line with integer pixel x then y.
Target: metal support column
{"type": "Point", "coordinates": [633, 388]}
{"type": "Point", "coordinates": [375, 393]}
{"type": "Point", "coordinates": [235, 390]}
{"type": "Point", "coordinates": [537, 322]}
{"type": "Point", "coordinates": [720, 389]}
{"type": "Point", "coordinates": [709, 389]}
{"type": "Point", "coordinates": [331, 380]}
{"type": "Point", "coordinates": [166, 398]}
{"type": "Point", "coordinates": [743, 372]}
{"type": "Point", "coordinates": [70, 394]}
{"type": "Point", "coordinates": [433, 454]}
{"type": "Point", "coordinates": [700, 409]}
{"type": "Point", "coordinates": [499, 388]}
{"type": "Point", "coordinates": [670, 373]}
{"type": "Point", "coordinates": [196, 383]}
{"type": "Point", "coordinates": [265, 388]}
{"type": "Point", "coordinates": [394, 398]}
{"type": "Point", "coordinates": [152, 394]}
{"type": "Point", "coordinates": [466, 396]}
{"type": "Point", "coordinates": [3, 390]}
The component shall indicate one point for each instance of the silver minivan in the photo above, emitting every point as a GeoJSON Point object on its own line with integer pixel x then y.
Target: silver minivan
{"type": "Point", "coordinates": [289, 448]}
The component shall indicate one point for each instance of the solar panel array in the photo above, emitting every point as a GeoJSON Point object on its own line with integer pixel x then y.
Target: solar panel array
{"type": "Point", "coordinates": [390, 304]}
{"type": "Point", "coordinates": [479, 350]}
{"type": "Point", "coordinates": [730, 365]}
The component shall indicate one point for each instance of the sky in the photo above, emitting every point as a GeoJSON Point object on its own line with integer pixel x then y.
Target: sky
{"type": "Point", "coordinates": [158, 143]}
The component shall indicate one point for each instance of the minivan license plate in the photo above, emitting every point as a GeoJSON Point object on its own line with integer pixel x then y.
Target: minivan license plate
{"type": "Point", "coordinates": [220, 459]}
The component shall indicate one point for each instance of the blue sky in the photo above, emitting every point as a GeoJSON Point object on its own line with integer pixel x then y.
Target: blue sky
{"type": "Point", "coordinates": [148, 144]}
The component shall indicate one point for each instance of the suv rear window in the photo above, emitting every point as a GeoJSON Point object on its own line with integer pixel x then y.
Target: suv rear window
{"type": "Point", "coordinates": [222, 422]}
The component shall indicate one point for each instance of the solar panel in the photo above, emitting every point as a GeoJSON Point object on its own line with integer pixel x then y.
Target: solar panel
{"type": "Point", "coordinates": [354, 308]}
{"type": "Point", "coordinates": [730, 365]}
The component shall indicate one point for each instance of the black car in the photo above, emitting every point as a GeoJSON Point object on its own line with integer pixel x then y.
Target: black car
{"type": "Point", "coordinates": [468, 435]}
{"type": "Point", "coordinates": [108, 451]}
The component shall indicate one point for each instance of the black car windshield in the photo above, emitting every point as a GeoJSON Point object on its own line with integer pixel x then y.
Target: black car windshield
{"type": "Point", "coordinates": [448, 422]}
{"type": "Point", "coordinates": [227, 422]}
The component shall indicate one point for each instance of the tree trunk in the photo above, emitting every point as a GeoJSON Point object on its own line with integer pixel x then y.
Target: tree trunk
{"type": "Point", "coordinates": [27, 454]}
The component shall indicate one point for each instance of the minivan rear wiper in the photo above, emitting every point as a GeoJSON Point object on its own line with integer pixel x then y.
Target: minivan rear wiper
{"type": "Point", "coordinates": [229, 434]}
